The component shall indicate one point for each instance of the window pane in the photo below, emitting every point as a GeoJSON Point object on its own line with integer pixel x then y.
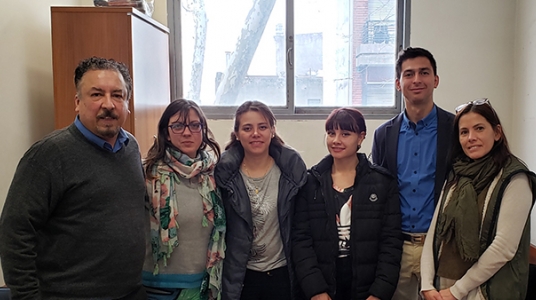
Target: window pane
{"type": "Point", "coordinates": [233, 50]}
{"type": "Point", "coordinates": [345, 52]}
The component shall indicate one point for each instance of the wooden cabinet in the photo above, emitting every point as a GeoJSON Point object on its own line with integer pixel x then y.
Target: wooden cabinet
{"type": "Point", "coordinates": [126, 35]}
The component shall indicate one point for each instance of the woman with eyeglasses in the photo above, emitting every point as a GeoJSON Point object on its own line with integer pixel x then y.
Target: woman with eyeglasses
{"type": "Point", "coordinates": [478, 243]}
{"type": "Point", "coordinates": [259, 178]}
{"type": "Point", "coordinates": [347, 236]}
{"type": "Point", "coordinates": [185, 243]}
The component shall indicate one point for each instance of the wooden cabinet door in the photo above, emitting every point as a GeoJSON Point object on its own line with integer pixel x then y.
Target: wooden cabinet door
{"type": "Point", "coordinates": [126, 35]}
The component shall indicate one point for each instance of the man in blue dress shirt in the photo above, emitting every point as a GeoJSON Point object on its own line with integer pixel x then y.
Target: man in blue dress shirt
{"type": "Point", "coordinates": [413, 146]}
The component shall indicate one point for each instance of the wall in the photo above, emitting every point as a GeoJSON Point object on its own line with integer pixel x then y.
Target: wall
{"type": "Point", "coordinates": [25, 81]}
{"type": "Point", "coordinates": [523, 104]}
{"type": "Point", "coordinates": [473, 42]}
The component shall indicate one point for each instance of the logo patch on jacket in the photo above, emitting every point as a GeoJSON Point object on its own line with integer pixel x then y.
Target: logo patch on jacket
{"type": "Point", "coordinates": [373, 197]}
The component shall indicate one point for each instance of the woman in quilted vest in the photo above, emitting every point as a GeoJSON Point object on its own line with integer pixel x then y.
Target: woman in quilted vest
{"type": "Point", "coordinates": [478, 242]}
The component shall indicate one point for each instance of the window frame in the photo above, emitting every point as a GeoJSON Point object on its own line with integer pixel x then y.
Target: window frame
{"type": "Point", "coordinates": [290, 111]}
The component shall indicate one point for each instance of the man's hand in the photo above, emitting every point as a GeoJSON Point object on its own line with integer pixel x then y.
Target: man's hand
{"type": "Point", "coordinates": [323, 296]}
{"type": "Point", "coordinates": [432, 295]}
{"type": "Point", "coordinates": [447, 295]}
{"type": "Point", "coordinates": [373, 298]}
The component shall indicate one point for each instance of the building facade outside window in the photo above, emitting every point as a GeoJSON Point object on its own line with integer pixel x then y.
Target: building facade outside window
{"type": "Point", "coordinates": [302, 57]}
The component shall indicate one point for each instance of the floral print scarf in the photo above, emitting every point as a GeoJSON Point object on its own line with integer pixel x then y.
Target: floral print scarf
{"type": "Point", "coordinates": [175, 167]}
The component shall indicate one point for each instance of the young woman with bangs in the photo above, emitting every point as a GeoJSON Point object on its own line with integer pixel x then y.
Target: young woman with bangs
{"type": "Point", "coordinates": [347, 239]}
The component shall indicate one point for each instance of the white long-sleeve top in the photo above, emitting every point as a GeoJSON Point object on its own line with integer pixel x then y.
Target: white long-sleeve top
{"type": "Point", "coordinates": [513, 215]}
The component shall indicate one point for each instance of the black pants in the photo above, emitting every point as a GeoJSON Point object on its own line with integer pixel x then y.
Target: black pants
{"type": "Point", "coordinates": [270, 285]}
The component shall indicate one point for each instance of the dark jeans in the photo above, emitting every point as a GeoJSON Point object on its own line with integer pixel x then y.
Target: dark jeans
{"type": "Point", "coordinates": [270, 285]}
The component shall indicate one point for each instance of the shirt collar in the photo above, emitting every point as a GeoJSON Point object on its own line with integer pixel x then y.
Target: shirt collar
{"type": "Point", "coordinates": [122, 137]}
{"type": "Point", "coordinates": [425, 122]}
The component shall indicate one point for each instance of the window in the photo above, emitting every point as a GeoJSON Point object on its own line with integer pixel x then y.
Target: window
{"type": "Point", "coordinates": [302, 57]}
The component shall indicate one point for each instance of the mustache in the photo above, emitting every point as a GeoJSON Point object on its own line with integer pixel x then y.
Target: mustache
{"type": "Point", "coordinates": [107, 114]}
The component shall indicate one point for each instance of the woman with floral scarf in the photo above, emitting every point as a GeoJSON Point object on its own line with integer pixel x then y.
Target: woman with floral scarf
{"type": "Point", "coordinates": [186, 239]}
{"type": "Point", "coordinates": [478, 243]}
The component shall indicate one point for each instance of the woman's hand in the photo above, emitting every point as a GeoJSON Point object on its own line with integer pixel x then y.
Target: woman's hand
{"type": "Point", "coordinates": [432, 295]}
{"type": "Point", "coordinates": [447, 295]}
{"type": "Point", "coordinates": [323, 296]}
{"type": "Point", "coordinates": [373, 298]}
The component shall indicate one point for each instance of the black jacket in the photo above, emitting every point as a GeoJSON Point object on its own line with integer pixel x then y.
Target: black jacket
{"type": "Point", "coordinates": [239, 235]}
{"type": "Point", "coordinates": [375, 233]}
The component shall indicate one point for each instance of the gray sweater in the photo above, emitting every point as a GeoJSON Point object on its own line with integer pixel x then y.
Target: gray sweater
{"type": "Point", "coordinates": [74, 220]}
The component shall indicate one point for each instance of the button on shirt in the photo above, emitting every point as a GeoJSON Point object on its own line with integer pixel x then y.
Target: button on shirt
{"type": "Point", "coordinates": [122, 138]}
{"type": "Point", "coordinates": [416, 158]}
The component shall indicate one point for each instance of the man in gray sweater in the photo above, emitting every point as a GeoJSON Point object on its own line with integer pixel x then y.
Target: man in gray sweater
{"type": "Point", "coordinates": [73, 222]}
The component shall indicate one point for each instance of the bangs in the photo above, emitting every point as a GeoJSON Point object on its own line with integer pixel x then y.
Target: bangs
{"type": "Point", "coordinates": [184, 114]}
{"type": "Point", "coordinates": [344, 121]}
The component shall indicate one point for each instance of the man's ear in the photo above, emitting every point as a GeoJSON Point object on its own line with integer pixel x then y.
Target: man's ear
{"type": "Point", "coordinates": [76, 102]}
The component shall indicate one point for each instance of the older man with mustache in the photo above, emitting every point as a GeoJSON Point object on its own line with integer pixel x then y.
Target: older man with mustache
{"type": "Point", "coordinates": [73, 223]}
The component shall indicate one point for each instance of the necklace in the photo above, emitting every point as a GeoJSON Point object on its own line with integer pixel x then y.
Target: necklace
{"type": "Point", "coordinates": [251, 180]}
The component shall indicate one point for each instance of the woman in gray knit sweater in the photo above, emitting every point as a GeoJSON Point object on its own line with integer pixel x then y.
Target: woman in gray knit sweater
{"type": "Point", "coordinates": [185, 243]}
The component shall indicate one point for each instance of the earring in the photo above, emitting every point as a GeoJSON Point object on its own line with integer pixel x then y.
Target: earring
{"type": "Point", "coordinates": [273, 135]}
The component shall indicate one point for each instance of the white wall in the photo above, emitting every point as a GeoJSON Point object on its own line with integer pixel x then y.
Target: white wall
{"type": "Point", "coordinates": [25, 81]}
{"type": "Point", "coordinates": [523, 104]}
{"type": "Point", "coordinates": [473, 42]}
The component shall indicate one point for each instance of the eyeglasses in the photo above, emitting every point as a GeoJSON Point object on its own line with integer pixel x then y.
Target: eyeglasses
{"type": "Point", "coordinates": [179, 128]}
{"type": "Point", "coordinates": [480, 101]}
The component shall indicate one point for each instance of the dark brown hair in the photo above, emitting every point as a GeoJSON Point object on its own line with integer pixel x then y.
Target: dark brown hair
{"type": "Point", "coordinates": [410, 53]}
{"type": "Point", "coordinates": [500, 151]}
{"type": "Point", "coordinates": [346, 118]}
{"type": "Point", "coordinates": [161, 142]}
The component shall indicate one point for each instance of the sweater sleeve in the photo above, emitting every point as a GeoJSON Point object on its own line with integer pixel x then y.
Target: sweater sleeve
{"type": "Point", "coordinates": [427, 256]}
{"type": "Point", "coordinates": [304, 257]}
{"type": "Point", "coordinates": [513, 214]}
{"type": "Point", "coordinates": [28, 206]}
